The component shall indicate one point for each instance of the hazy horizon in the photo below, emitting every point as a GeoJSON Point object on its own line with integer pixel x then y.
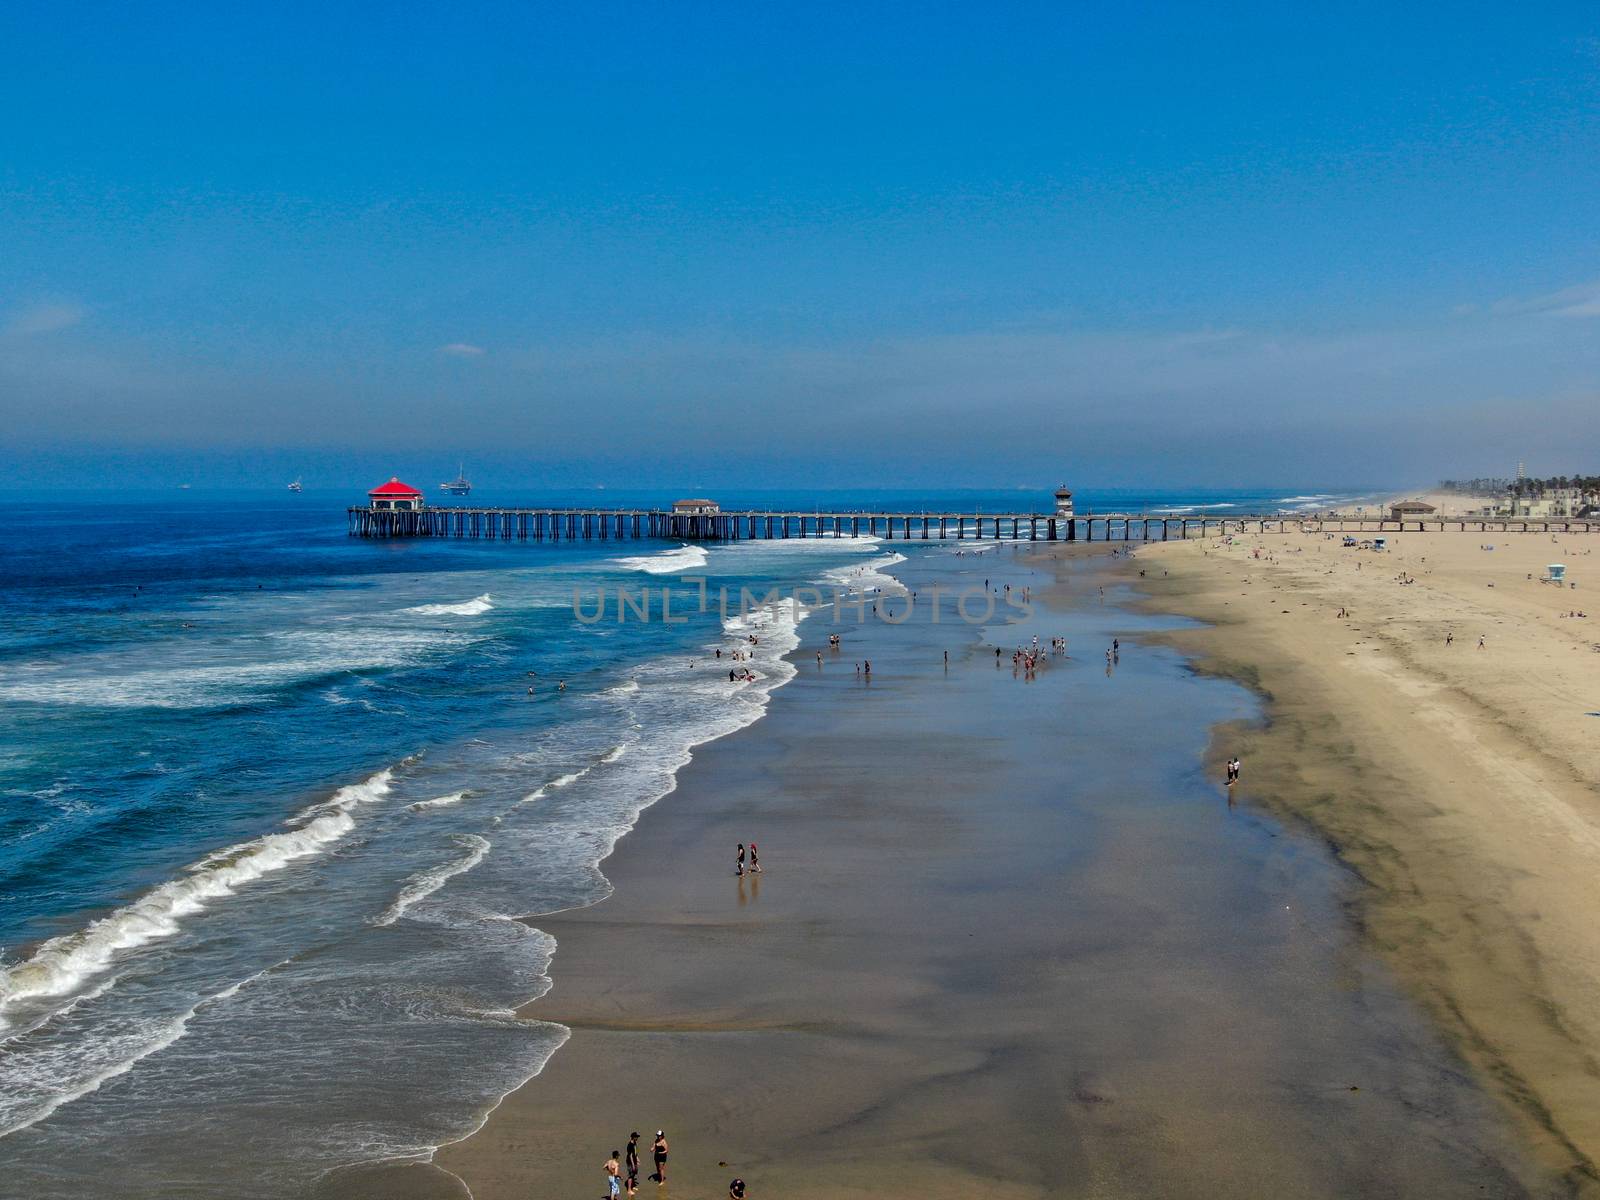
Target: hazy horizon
{"type": "Point", "coordinates": [921, 247]}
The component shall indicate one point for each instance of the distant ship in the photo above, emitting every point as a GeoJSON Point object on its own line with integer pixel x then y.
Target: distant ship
{"type": "Point", "coordinates": [459, 486]}
{"type": "Point", "coordinates": [295, 486]}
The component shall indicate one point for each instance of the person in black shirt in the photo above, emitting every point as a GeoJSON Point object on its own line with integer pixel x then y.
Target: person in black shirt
{"type": "Point", "coordinates": [633, 1157]}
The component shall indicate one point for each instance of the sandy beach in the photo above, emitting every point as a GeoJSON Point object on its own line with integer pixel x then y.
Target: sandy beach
{"type": "Point", "coordinates": [1012, 940]}
{"type": "Point", "coordinates": [1461, 783]}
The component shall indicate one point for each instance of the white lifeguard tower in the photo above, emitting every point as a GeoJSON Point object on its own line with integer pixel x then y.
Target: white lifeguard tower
{"type": "Point", "coordinates": [1063, 502]}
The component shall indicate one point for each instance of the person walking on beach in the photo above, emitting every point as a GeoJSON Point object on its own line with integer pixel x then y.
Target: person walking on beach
{"type": "Point", "coordinates": [614, 1175]}
{"type": "Point", "coordinates": [755, 863]}
{"type": "Point", "coordinates": [659, 1150]}
{"type": "Point", "coordinates": [740, 869]}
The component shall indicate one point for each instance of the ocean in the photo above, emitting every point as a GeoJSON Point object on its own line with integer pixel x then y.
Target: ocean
{"type": "Point", "coordinates": [272, 798]}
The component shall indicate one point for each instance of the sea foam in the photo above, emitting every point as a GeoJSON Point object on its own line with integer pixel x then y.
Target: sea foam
{"type": "Point", "coordinates": [668, 562]}
{"type": "Point", "coordinates": [428, 882]}
{"type": "Point", "coordinates": [59, 966]}
{"type": "Point", "coordinates": [475, 607]}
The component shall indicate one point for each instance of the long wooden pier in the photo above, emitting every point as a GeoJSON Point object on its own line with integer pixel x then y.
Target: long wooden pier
{"type": "Point", "coordinates": [571, 524]}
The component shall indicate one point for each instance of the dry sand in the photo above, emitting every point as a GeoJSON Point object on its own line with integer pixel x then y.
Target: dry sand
{"type": "Point", "coordinates": [1462, 783]}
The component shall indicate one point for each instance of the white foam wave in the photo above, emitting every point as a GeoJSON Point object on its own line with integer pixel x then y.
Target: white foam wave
{"type": "Point", "coordinates": [869, 578]}
{"type": "Point", "coordinates": [667, 562]}
{"type": "Point", "coordinates": [477, 606]}
{"type": "Point", "coordinates": [616, 752]}
{"type": "Point", "coordinates": [622, 689]}
{"type": "Point", "coordinates": [438, 802]}
{"type": "Point", "coordinates": [812, 542]}
{"type": "Point", "coordinates": [46, 1091]}
{"type": "Point", "coordinates": [60, 965]}
{"type": "Point", "coordinates": [544, 790]}
{"type": "Point", "coordinates": [110, 681]}
{"type": "Point", "coordinates": [429, 882]}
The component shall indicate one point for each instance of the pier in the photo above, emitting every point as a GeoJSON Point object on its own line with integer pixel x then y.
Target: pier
{"type": "Point", "coordinates": [709, 524]}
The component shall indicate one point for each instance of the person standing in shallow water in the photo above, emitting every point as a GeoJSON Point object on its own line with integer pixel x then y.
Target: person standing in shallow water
{"type": "Point", "coordinates": [660, 1152]}
{"type": "Point", "coordinates": [739, 870]}
{"type": "Point", "coordinates": [755, 863]}
{"type": "Point", "coordinates": [614, 1174]}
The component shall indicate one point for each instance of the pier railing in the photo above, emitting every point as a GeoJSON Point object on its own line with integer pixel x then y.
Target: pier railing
{"type": "Point", "coordinates": [571, 524]}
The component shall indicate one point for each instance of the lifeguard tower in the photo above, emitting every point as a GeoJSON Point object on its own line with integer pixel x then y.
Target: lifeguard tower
{"type": "Point", "coordinates": [1063, 502]}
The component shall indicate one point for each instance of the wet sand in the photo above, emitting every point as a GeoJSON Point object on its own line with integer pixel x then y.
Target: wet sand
{"type": "Point", "coordinates": [1012, 941]}
{"type": "Point", "coordinates": [1462, 784]}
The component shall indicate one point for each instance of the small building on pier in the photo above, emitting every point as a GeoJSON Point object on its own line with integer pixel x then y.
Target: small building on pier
{"type": "Point", "coordinates": [395, 496]}
{"type": "Point", "coordinates": [696, 508]}
{"type": "Point", "coordinates": [1410, 508]}
{"type": "Point", "coordinates": [1063, 501]}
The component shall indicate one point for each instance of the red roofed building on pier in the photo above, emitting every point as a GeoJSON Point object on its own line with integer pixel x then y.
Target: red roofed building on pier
{"type": "Point", "coordinates": [395, 496]}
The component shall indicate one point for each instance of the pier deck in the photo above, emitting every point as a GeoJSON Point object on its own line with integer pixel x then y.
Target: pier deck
{"type": "Point", "coordinates": [569, 524]}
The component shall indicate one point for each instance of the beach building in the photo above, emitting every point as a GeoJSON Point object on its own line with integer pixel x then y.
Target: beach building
{"type": "Point", "coordinates": [696, 508]}
{"type": "Point", "coordinates": [395, 496]}
{"type": "Point", "coordinates": [1063, 501]}
{"type": "Point", "coordinates": [1557, 503]}
{"type": "Point", "coordinates": [1410, 508]}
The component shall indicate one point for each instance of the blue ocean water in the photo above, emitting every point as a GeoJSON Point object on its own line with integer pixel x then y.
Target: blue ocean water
{"type": "Point", "coordinates": [271, 797]}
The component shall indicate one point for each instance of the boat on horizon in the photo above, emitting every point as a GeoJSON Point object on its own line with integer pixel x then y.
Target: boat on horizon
{"type": "Point", "coordinates": [459, 486]}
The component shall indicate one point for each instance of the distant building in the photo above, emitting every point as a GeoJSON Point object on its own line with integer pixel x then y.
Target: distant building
{"type": "Point", "coordinates": [1063, 501]}
{"type": "Point", "coordinates": [696, 508]}
{"type": "Point", "coordinates": [395, 496]}
{"type": "Point", "coordinates": [1410, 508]}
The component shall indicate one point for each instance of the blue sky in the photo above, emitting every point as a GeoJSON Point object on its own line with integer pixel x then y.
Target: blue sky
{"type": "Point", "coordinates": [908, 243]}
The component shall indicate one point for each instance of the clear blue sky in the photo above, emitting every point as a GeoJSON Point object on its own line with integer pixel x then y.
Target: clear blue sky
{"type": "Point", "coordinates": [977, 244]}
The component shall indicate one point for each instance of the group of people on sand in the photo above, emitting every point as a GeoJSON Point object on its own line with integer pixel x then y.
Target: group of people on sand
{"type": "Point", "coordinates": [622, 1171]}
{"type": "Point", "coordinates": [1233, 770]}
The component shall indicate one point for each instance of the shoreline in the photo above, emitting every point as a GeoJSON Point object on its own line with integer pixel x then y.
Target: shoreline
{"type": "Point", "coordinates": [1461, 915]}
{"type": "Point", "coordinates": [727, 1025]}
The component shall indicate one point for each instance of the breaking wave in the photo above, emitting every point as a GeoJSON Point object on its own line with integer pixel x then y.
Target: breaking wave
{"type": "Point", "coordinates": [477, 606]}
{"type": "Point", "coordinates": [668, 562]}
{"type": "Point", "coordinates": [429, 882]}
{"type": "Point", "coordinates": [62, 964]}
